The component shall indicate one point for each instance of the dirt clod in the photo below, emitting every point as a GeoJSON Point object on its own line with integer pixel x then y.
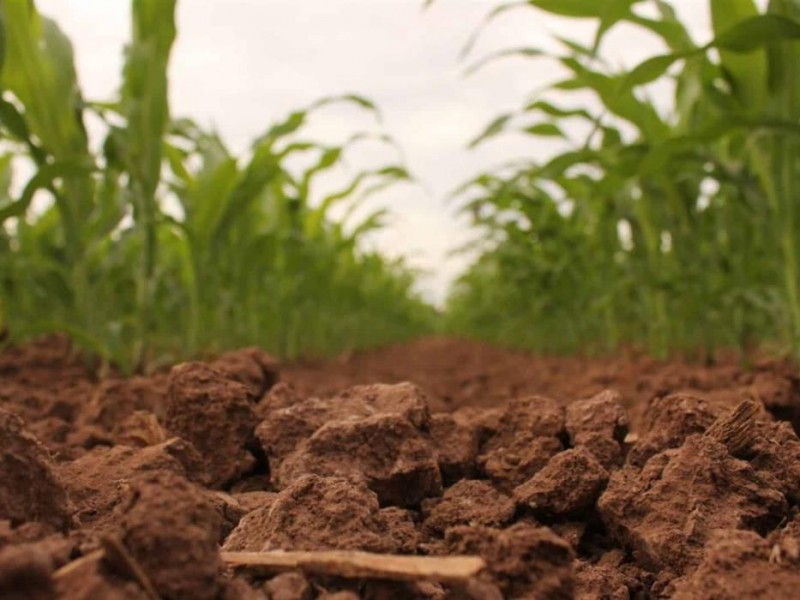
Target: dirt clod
{"type": "Point", "coordinates": [29, 487]}
{"type": "Point", "coordinates": [216, 415]}
{"type": "Point", "coordinates": [395, 459]}
{"type": "Point", "coordinates": [567, 486]}
{"type": "Point", "coordinates": [468, 502]}
{"type": "Point", "coordinates": [737, 565]}
{"type": "Point", "coordinates": [456, 445]}
{"type": "Point", "coordinates": [493, 459]}
{"type": "Point", "coordinates": [26, 574]}
{"type": "Point", "coordinates": [525, 561]}
{"type": "Point", "coordinates": [171, 529]}
{"type": "Point", "coordinates": [324, 513]}
{"type": "Point", "coordinates": [666, 512]}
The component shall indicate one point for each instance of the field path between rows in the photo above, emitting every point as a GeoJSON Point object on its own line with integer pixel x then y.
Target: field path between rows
{"type": "Point", "coordinates": [458, 373]}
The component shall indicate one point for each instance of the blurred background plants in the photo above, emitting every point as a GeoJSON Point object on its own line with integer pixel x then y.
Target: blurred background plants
{"type": "Point", "coordinates": [156, 243]}
{"type": "Point", "coordinates": [671, 220]}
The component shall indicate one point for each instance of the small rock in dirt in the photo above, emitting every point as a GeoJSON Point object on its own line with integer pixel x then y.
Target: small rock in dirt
{"type": "Point", "coordinates": [468, 502]}
{"type": "Point", "coordinates": [30, 490]}
{"type": "Point", "coordinates": [395, 459]}
{"type": "Point", "coordinates": [289, 586]}
{"type": "Point", "coordinates": [668, 422]}
{"type": "Point", "coordinates": [456, 445]}
{"type": "Point", "coordinates": [324, 513]}
{"type": "Point", "coordinates": [518, 459]}
{"type": "Point", "coordinates": [568, 485]}
{"type": "Point", "coordinates": [666, 512]}
{"type": "Point", "coordinates": [602, 414]}
{"type": "Point", "coordinates": [525, 561]}
{"type": "Point", "coordinates": [214, 414]}
{"type": "Point", "coordinates": [26, 574]}
{"type": "Point", "coordinates": [252, 367]}
{"type": "Point", "coordinates": [171, 529]}
{"type": "Point", "coordinates": [738, 565]}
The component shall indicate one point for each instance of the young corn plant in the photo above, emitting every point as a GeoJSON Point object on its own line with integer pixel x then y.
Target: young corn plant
{"type": "Point", "coordinates": [158, 243]}
{"type": "Point", "coordinates": [672, 227]}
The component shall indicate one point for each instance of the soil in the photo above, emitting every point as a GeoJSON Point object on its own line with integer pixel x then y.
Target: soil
{"type": "Point", "coordinates": [609, 478]}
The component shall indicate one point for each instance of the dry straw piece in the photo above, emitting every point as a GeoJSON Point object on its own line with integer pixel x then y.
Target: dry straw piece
{"type": "Point", "coordinates": [361, 565]}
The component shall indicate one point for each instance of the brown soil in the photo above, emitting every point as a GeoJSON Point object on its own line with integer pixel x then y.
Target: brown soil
{"type": "Point", "coordinates": [611, 478]}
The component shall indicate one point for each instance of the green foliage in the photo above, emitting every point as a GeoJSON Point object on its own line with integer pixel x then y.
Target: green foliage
{"type": "Point", "coordinates": [671, 226]}
{"type": "Point", "coordinates": [162, 244]}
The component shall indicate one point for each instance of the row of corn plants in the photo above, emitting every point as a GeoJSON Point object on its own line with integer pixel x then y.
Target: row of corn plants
{"type": "Point", "coordinates": [670, 222]}
{"type": "Point", "coordinates": [155, 242]}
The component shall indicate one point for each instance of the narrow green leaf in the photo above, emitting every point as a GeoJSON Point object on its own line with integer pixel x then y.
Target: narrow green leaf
{"type": "Point", "coordinates": [756, 32]}
{"type": "Point", "coordinates": [494, 128]}
{"type": "Point", "coordinates": [650, 70]}
{"type": "Point", "coordinates": [545, 130]}
{"type": "Point", "coordinates": [503, 54]}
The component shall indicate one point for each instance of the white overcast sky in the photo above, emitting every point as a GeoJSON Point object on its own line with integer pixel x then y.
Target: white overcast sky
{"type": "Point", "coordinates": [238, 65]}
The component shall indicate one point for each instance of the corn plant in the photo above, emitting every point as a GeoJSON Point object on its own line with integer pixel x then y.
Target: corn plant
{"type": "Point", "coordinates": [251, 256]}
{"type": "Point", "coordinates": [671, 227]}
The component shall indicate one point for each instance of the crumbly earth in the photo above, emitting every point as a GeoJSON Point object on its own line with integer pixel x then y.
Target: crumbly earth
{"type": "Point", "coordinates": [570, 477]}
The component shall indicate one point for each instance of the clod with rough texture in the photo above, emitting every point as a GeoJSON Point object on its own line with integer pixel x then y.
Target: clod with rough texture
{"type": "Point", "coordinates": [567, 486]}
{"type": "Point", "coordinates": [324, 513]}
{"type": "Point", "coordinates": [395, 459]}
{"type": "Point", "coordinates": [30, 490]}
{"type": "Point", "coordinates": [216, 415]}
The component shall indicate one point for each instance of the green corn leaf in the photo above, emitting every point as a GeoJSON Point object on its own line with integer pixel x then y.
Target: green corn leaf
{"type": "Point", "coordinates": [748, 73]}
{"type": "Point", "coordinates": [545, 130]}
{"type": "Point", "coordinates": [43, 179]}
{"type": "Point", "coordinates": [581, 9]}
{"type": "Point", "coordinates": [360, 101]}
{"type": "Point", "coordinates": [524, 52]}
{"type": "Point", "coordinates": [487, 20]}
{"type": "Point", "coordinates": [145, 91]}
{"type": "Point", "coordinates": [39, 70]}
{"type": "Point", "coordinates": [614, 12]}
{"type": "Point", "coordinates": [650, 70]}
{"type": "Point", "coordinates": [756, 32]}
{"type": "Point", "coordinates": [496, 127]}
{"type": "Point", "coordinates": [552, 110]}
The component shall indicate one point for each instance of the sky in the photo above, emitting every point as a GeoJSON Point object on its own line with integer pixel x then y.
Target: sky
{"type": "Point", "coordinates": [240, 65]}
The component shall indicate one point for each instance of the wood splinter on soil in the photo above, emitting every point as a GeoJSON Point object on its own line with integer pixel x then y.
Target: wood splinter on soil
{"type": "Point", "coordinates": [736, 430]}
{"type": "Point", "coordinates": [361, 565]}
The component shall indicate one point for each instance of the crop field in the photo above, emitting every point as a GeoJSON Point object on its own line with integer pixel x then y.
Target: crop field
{"type": "Point", "coordinates": [214, 387]}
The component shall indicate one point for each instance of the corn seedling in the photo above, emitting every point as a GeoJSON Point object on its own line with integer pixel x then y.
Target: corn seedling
{"type": "Point", "coordinates": [670, 226]}
{"type": "Point", "coordinates": [250, 256]}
